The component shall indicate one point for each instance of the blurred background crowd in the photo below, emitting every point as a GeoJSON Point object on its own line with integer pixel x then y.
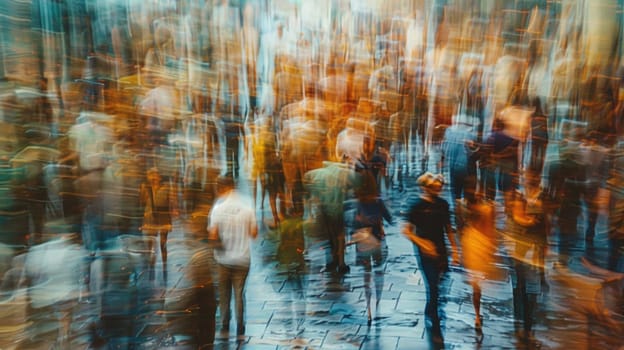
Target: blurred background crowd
{"type": "Point", "coordinates": [113, 110]}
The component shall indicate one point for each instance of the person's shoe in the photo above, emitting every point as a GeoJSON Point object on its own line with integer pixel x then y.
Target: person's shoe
{"type": "Point", "coordinates": [343, 269]}
{"type": "Point", "coordinates": [369, 315]}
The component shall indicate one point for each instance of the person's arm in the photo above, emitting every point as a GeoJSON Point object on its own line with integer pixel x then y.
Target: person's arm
{"type": "Point", "coordinates": [426, 246]}
{"type": "Point", "coordinates": [253, 226]}
{"type": "Point", "coordinates": [214, 240]}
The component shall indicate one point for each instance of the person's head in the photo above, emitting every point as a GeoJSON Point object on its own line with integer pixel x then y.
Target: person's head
{"type": "Point", "coordinates": [225, 183]}
{"type": "Point", "coordinates": [431, 184]}
{"type": "Point", "coordinates": [153, 176]}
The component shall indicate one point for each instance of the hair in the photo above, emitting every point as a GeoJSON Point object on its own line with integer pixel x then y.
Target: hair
{"type": "Point", "coordinates": [225, 181]}
{"type": "Point", "coordinates": [153, 170]}
{"type": "Point", "coordinates": [428, 178]}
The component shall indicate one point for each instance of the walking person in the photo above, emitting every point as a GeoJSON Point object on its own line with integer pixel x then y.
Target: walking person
{"type": "Point", "coordinates": [328, 188]}
{"type": "Point", "coordinates": [459, 152]}
{"type": "Point", "coordinates": [232, 226]}
{"type": "Point", "coordinates": [478, 242]}
{"type": "Point", "coordinates": [428, 227]}
{"type": "Point", "coordinates": [369, 238]}
{"type": "Point", "coordinates": [529, 229]}
{"type": "Point", "coordinates": [158, 198]}
{"type": "Point", "coordinates": [501, 164]}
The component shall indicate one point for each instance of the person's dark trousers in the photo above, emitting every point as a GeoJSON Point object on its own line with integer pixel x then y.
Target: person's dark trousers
{"type": "Point", "coordinates": [523, 301]}
{"type": "Point", "coordinates": [538, 155]}
{"type": "Point", "coordinates": [433, 270]}
{"type": "Point", "coordinates": [489, 182]}
{"type": "Point", "coordinates": [232, 278]}
{"type": "Point", "coordinates": [458, 179]}
{"type": "Point", "coordinates": [206, 316]}
{"type": "Point", "coordinates": [616, 248]}
{"type": "Point", "coordinates": [232, 145]}
{"type": "Point", "coordinates": [568, 219]}
{"type": "Point", "coordinates": [333, 225]}
{"type": "Point", "coordinates": [590, 195]}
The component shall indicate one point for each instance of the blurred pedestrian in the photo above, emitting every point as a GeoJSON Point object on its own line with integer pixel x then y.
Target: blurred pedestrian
{"type": "Point", "coordinates": [428, 227]}
{"type": "Point", "coordinates": [594, 158]}
{"type": "Point", "coordinates": [328, 187]}
{"type": "Point", "coordinates": [290, 255]}
{"type": "Point", "coordinates": [459, 152]}
{"type": "Point", "coordinates": [232, 226]}
{"type": "Point", "coordinates": [369, 238]}
{"type": "Point", "coordinates": [528, 227]}
{"type": "Point", "coordinates": [478, 244]}
{"type": "Point", "coordinates": [158, 197]}
{"type": "Point", "coordinates": [502, 172]}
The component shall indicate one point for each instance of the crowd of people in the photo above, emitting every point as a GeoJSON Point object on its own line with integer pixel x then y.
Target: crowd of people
{"type": "Point", "coordinates": [184, 112]}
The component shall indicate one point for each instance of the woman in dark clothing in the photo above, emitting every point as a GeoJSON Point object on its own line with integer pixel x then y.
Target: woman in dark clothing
{"type": "Point", "coordinates": [369, 238]}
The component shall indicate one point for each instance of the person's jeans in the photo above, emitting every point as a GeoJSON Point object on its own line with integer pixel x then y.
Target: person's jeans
{"type": "Point", "coordinates": [433, 270]}
{"type": "Point", "coordinates": [232, 277]}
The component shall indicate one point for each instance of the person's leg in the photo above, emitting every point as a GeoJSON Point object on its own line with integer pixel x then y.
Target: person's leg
{"type": "Point", "coordinates": [239, 276]}
{"type": "Point", "coordinates": [206, 318]}
{"type": "Point", "coordinates": [379, 258]}
{"type": "Point", "coordinates": [476, 302]}
{"type": "Point", "coordinates": [431, 273]}
{"type": "Point", "coordinates": [489, 182]}
{"type": "Point", "coordinates": [568, 218]}
{"type": "Point", "coordinates": [616, 223]}
{"type": "Point", "coordinates": [326, 226]}
{"type": "Point", "coordinates": [225, 295]}
{"type": "Point", "coordinates": [616, 247]}
{"type": "Point", "coordinates": [364, 260]}
{"type": "Point", "coordinates": [457, 177]}
{"type": "Point", "coordinates": [231, 143]}
{"type": "Point", "coordinates": [163, 246]}
{"type": "Point", "coordinates": [339, 231]}
{"type": "Point", "coordinates": [591, 198]}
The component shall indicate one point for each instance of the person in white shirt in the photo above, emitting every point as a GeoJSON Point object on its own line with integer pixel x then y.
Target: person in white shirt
{"type": "Point", "coordinates": [232, 223]}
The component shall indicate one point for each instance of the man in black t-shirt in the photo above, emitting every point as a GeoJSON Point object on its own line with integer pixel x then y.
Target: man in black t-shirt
{"type": "Point", "coordinates": [428, 222]}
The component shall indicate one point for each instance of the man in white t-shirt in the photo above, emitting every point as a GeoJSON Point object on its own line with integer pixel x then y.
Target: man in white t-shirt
{"type": "Point", "coordinates": [232, 224]}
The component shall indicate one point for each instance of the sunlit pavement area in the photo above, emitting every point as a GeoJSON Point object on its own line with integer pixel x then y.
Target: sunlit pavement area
{"type": "Point", "coordinates": [313, 309]}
